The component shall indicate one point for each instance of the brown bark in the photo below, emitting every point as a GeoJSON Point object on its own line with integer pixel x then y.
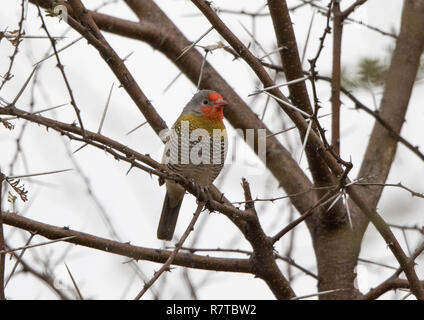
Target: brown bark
{"type": "Point", "coordinates": [400, 80]}
{"type": "Point", "coordinates": [126, 249]}
{"type": "Point", "coordinates": [292, 67]}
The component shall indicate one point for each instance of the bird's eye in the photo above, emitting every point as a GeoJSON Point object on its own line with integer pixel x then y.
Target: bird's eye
{"type": "Point", "coordinates": [205, 102]}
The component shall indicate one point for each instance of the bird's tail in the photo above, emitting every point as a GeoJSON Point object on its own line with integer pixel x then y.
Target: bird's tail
{"type": "Point", "coordinates": [168, 218]}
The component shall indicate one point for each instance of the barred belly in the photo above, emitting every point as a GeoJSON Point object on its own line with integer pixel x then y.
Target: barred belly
{"type": "Point", "coordinates": [199, 158]}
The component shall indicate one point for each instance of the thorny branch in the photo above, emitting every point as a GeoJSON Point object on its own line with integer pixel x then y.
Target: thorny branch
{"type": "Point", "coordinates": [62, 69]}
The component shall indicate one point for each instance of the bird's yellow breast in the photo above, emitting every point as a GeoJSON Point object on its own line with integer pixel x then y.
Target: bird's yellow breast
{"type": "Point", "coordinates": [200, 122]}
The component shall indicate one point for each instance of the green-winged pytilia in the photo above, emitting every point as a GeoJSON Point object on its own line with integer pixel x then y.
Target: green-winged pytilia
{"type": "Point", "coordinates": [196, 149]}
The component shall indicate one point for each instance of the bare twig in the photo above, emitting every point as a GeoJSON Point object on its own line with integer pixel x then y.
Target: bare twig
{"type": "Point", "coordinates": [345, 13]}
{"type": "Point", "coordinates": [329, 196]}
{"type": "Point", "coordinates": [38, 111]}
{"type": "Point", "coordinates": [396, 185]}
{"type": "Point", "coordinates": [46, 278]}
{"type": "Point", "coordinates": [17, 40]}
{"type": "Point", "coordinates": [18, 260]}
{"type": "Point", "coordinates": [336, 76]}
{"type": "Point", "coordinates": [62, 71]}
{"type": "Point", "coordinates": [167, 264]}
{"type": "Point", "coordinates": [288, 260]}
{"type": "Point", "coordinates": [126, 249]}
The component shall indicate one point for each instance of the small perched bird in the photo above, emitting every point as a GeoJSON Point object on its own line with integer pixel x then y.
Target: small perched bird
{"type": "Point", "coordinates": [196, 149]}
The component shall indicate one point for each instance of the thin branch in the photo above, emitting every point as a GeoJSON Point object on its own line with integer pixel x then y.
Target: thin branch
{"type": "Point", "coordinates": [345, 13]}
{"type": "Point", "coordinates": [38, 111]}
{"type": "Point", "coordinates": [93, 35]}
{"type": "Point", "coordinates": [18, 260]}
{"type": "Point", "coordinates": [62, 70]}
{"type": "Point", "coordinates": [287, 196]}
{"type": "Point", "coordinates": [329, 196]}
{"type": "Point", "coordinates": [396, 185]}
{"type": "Point", "coordinates": [323, 11]}
{"type": "Point", "coordinates": [17, 40]}
{"type": "Point", "coordinates": [336, 76]}
{"type": "Point", "coordinates": [167, 264]}
{"type": "Point", "coordinates": [126, 249]}
{"type": "Point", "coordinates": [375, 114]}
{"type": "Point", "coordinates": [288, 260]}
{"type": "Point", "coordinates": [390, 284]}
{"type": "Point", "coordinates": [46, 278]}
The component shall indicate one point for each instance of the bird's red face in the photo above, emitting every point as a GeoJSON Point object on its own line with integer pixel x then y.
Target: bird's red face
{"type": "Point", "coordinates": [213, 108]}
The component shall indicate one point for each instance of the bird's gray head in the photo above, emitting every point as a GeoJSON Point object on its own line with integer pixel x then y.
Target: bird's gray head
{"type": "Point", "coordinates": [204, 100]}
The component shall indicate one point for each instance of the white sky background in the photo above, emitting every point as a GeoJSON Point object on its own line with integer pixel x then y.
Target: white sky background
{"type": "Point", "coordinates": [134, 201]}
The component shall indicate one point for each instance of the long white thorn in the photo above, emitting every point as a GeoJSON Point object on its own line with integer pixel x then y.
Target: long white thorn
{"type": "Point", "coordinates": [288, 104]}
{"type": "Point", "coordinates": [59, 50]}
{"type": "Point", "coordinates": [37, 174]}
{"type": "Point", "coordinates": [201, 70]}
{"type": "Point", "coordinates": [273, 51]}
{"type": "Point", "coordinates": [105, 110]}
{"type": "Point", "coordinates": [194, 43]}
{"type": "Point", "coordinates": [280, 85]}
{"type": "Point", "coordinates": [305, 140]}
{"type": "Point", "coordinates": [334, 202]}
{"type": "Point", "coordinates": [23, 87]}
{"type": "Point", "coordinates": [38, 111]}
{"type": "Point", "coordinates": [139, 126]}
{"type": "Point", "coordinates": [346, 201]}
{"type": "Point", "coordinates": [316, 294]}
